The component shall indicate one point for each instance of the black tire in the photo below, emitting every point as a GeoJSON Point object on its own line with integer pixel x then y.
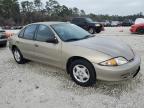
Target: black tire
{"type": "Point", "coordinates": [92, 73]}
{"type": "Point", "coordinates": [3, 45]}
{"type": "Point", "coordinates": [91, 30]}
{"type": "Point", "coordinates": [140, 31]}
{"type": "Point", "coordinates": [21, 60]}
{"type": "Point", "coordinates": [98, 30]}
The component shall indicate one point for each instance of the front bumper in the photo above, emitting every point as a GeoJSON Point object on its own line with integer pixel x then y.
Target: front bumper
{"type": "Point", "coordinates": [118, 73]}
{"type": "Point", "coordinates": [133, 30]}
{"type": "Point", "coordinates": [99, 28]}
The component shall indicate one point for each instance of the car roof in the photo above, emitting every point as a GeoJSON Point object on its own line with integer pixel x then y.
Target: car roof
{"type": "Point", "coordinates": [49, 23]}
{"type": "Point", "coordinates": [80, 17]}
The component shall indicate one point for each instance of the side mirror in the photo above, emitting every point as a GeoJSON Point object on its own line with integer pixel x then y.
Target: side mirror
{"type": "Point", "coordinates": [52, 40]}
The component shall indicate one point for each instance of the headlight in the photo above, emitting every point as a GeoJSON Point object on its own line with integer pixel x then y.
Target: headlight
{"type": "Point", "coordinates": [97, 25]}
{"type": "Point", "coordinates": [114, 62]}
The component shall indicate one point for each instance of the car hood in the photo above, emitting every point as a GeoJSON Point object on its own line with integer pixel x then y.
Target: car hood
{"type": "Point", "coordinates": [95, 23]}
{"type": "Point", "coordinates": [108, 46]}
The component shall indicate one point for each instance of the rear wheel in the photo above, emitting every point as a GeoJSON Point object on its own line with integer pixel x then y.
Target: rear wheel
{"type": "Point", "coordinates": [82, 72]}
{"type": "Point", "coordinates": [4, 45]}
{"type": "Point", "coordinates": [91, 30]}
{"type": "Point", "coordinates": [18, 56]}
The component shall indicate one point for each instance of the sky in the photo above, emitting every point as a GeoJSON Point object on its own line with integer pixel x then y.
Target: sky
{"type": "Point", "coordinates": [111, 7]}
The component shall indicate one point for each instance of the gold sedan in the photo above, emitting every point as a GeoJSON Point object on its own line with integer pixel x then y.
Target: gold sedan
{"type": "Point", "coordinates": [84, 56]}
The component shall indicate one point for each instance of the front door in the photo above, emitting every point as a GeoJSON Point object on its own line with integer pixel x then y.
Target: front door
{"type": "Point", "coordinates": [49, 53]}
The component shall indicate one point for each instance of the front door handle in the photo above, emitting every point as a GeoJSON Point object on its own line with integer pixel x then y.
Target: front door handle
{"type": "Point", "coordinates": [36, 45]}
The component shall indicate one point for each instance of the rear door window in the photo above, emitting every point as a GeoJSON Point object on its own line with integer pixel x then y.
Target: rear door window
{"type": "Point", "coordinates": [30, 31]}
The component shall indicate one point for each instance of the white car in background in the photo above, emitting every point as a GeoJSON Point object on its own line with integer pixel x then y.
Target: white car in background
{"type": "Point", "coordinates": [115, 23]}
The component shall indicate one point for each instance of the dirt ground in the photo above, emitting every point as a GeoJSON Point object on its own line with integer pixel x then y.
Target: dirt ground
{"type": "Point", "coordinates": [35, 85]}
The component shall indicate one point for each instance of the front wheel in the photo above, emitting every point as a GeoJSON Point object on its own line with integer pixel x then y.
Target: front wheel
{"type": "Point", "coordinates": [140, 31]}
{"type": "Point", "coordinates": [18, 56]}
{"type": "Point", "coordinates": [82, 72]}
{"type": "Point", "coordinates": [98, 30]}
{"type": "Point", "coordinates": [4, 45]}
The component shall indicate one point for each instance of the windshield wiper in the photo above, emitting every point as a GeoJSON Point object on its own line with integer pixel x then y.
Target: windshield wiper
{"type": "Point", "coordinates": [75, 39]}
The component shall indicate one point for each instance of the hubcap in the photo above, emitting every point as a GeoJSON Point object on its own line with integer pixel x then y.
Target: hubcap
{"type": "Point", "coordinates": [81, 73]}
{"type": "Point", "coordinates": [17, 55]}
{"type": "Point", "coordinates": [91, 30]}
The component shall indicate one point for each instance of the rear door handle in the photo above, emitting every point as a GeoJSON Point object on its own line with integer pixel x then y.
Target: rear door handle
{"type": "Point", "coordinates": [36, 45]}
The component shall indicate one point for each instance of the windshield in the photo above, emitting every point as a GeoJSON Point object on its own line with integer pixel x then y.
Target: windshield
{"type": "Point", "coordinates": [139, 20]}
{"type": "Point", "coordinates": [70, 32]}
{"type": "Point", "coordinates": [89, 20]}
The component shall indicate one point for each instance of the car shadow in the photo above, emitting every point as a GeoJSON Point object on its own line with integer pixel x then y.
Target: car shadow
{"type": "Point", "coordinates": [113, 89]}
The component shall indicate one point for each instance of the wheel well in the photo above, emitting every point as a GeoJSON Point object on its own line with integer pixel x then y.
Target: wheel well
{"type": "Point", "coordinates": [70, 60]}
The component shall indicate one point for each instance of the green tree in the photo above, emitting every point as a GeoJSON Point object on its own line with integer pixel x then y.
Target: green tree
{"type": "Point", "coordinates": [51, 6]}
{"type": "Point", "coordinates": [75, 11]}
{"type": "Point", "coordinates": [38, 4]}
{"type": "Point", "coordinates": [9, 9]}
{"type": "Point", "coordinates": [27, 12]}
{"type": "Point", "coordinates": [27, 6]}
{"type": "Point", "coordinates": [82, 13]}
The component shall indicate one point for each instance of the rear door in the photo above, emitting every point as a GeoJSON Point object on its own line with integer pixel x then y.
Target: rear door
{"type": "Point", "coordinates": [81, 22]}
{"type": "Point", "coordinates": [49, 53]}
{"type": "Point", "coordinates": [26, 41]}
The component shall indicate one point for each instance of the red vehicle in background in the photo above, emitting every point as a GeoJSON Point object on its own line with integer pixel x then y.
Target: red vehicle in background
{"type": "Point", "coordinates": [138, 26]}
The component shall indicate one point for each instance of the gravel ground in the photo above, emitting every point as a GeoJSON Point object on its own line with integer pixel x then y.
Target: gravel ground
{"type": "Point", "coordinates": [35, 85]}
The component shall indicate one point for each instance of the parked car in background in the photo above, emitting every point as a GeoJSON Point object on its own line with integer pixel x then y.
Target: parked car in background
{"type": "Point", "coordinates": [84, 56]}
{"type": "Point", "coordinates": [7, 27]}
{"type": "Point", "coordinates": [115, 23]}
{"type": "Point", "coordinates": [16, 27]}
{"type": "Point", "coordinates": [127, 22]}
{"type": "Point", "coordinates": [88, 24]}
{"type": "Point", "coordinates": [3, 38]}
{"type": "Point", "coordinates": [138, 26]}
{"type": "Point", "coordinates": [106, 23]}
